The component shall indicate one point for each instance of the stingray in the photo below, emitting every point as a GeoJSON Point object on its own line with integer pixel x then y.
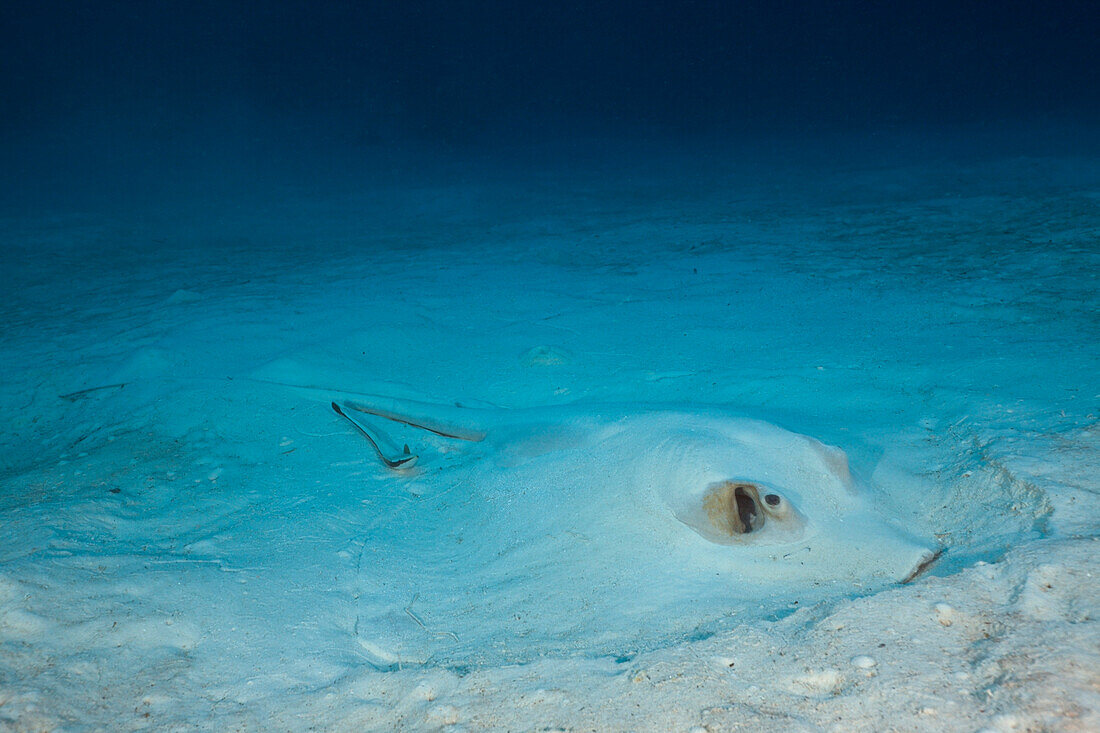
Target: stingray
{"type": "Point", "coordinates": [604, 530]}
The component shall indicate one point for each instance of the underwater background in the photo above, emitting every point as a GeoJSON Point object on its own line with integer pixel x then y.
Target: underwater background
{"type": "Point", "coordinates": [131, 104]}
{"type": "Point", "coordinates": [874, 224]}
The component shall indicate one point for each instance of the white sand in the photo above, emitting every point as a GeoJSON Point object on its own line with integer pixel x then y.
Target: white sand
{"type": "Point", "coordinates": [187, 550]}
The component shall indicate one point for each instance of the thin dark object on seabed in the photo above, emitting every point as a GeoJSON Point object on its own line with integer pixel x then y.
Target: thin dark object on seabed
{"type": "Point", "coordinates": [74, 396]}
{"type": "Point", "coordinates": [405, 461]}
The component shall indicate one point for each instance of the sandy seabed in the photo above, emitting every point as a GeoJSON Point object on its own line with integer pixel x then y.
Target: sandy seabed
{"type": "Point", "coordinates": [186, 533]}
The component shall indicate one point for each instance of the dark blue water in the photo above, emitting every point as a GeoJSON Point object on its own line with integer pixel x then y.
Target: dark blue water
{"type": "Point", "coordinates": [133, 105]}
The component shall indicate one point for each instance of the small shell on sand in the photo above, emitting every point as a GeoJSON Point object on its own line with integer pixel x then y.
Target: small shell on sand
{"type": "Point", "coordinates": [545, 356]}
{"type": "Point", "coordinates": [945, 614]}
{"type": "Point", "coordinates": [863, 661]}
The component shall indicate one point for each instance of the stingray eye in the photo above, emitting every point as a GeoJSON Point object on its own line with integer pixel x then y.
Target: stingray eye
{"type": "Point", "coordinates": [776, 506]}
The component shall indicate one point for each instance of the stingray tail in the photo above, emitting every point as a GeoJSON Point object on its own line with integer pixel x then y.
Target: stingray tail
{"type": "Point", "coordinates": [405, 460]}
{"type": "Point", "coordinates": [438, 419]}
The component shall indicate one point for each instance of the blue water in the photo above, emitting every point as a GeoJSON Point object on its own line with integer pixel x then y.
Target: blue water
{"type": "Point", "coordinates": [878, 225]}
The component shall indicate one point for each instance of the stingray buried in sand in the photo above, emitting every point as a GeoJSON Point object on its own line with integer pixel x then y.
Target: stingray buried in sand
{"type": "Point", "coordinates": [592, 530]}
